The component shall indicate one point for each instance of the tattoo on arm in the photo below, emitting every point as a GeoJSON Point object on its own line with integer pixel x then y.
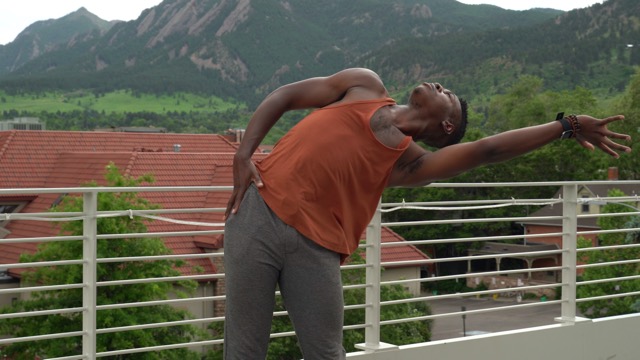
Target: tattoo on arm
{"type": "Point", "coordinates": [412, 167]}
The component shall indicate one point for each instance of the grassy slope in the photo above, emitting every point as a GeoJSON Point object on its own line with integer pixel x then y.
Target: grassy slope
{"type": "Point", "coordinates": [114, 102]}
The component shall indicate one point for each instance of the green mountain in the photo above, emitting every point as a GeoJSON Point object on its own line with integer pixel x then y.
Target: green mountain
{"type": "Point", "coordinates": [45, 36]}
{"type": "Point", "coordinates": [244, 48]}
{"type": "Point", "coordinates": [239, 48]}
{"type": "Point", "coordinates": [595, 47]}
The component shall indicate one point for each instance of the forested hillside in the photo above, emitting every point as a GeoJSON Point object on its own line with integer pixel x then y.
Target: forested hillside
{"type": "Point", "coordinates": [245, 48]}
{"type": "Point", "coordinates": [586, 47]}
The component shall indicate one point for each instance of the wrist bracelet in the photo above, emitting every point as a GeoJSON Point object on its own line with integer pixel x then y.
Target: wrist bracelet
{"type": "Point", "coordinates": [575, 124]}
{"type": "Point", "coordinates": [568, 130]}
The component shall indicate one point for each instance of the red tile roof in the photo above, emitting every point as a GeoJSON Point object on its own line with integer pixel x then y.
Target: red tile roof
{"type": "Point", "coordinates": [51, 159]}
{"type": "Point", "coordinates": [406, 252]}
{"type": "Point", "coordinates": [22, 152]}
{"type": "Point", "coordinates": [168, 169]}
{"type": "Point", "coordinates": [74, 169]}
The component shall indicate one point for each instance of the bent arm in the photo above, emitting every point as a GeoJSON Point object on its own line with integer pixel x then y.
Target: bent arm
{"type": "Point", "coordinates": [306, 94]}
{"type": "Point", "coordinates": [420, 167]}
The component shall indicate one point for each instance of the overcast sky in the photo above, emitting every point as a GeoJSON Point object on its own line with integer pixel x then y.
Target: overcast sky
{"type": "Point", "coordinates": [565, 5]}
{"type": "Point", "coordinates": [16, 15]}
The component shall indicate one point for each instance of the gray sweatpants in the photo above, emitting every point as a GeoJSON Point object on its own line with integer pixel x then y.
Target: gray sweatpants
{"type": "Point", "coordinates": [262, 251]}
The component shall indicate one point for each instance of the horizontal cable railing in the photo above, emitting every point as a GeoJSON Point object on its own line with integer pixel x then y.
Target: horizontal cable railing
{"type": "Point", "coordinates": [561, 271]}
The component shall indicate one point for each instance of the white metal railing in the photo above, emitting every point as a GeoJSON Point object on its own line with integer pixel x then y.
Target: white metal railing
{"type": "Point", "coordinates": [569, 267]}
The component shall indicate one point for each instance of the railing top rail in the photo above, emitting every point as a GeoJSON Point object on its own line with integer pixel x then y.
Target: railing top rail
{"type": "Point", "coordinates": [227, 188]}
{"type": "Point", "coordinates": [543, 183]}
{"type": "Point", "coordinates": [98, 189]}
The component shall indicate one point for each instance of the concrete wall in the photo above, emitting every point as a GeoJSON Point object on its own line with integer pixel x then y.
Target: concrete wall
{"type": "Point", "coordinates": [614, 338]}
{"type": "Point", "coordinates": [199, 309]}
{"type": "Point", "coordinates": [404, 273]}
{"type": "Point", "coordinates": [7, 299]}
{"type": "Point", "coordinates": [512, 282]}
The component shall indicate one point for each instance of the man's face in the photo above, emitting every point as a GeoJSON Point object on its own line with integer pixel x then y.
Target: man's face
{"type": "Point", "coordinates": [436, 105]}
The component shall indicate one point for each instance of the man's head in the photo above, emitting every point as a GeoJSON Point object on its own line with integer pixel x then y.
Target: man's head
{"type": "Point", "coordinates": [442, 114]}
{"type": "Point", "coordinates": [461, 127]}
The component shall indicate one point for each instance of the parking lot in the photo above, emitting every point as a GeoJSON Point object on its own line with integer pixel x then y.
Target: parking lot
{"type": "Point", "coordinates": [496, 321]}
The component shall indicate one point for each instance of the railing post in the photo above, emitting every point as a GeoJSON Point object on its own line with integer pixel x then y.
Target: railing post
{"type": "Point", "coordinates": [373, 273]}
{"type": "Point", "coordinates": [89, 274]}
{"type": "Point", "coordinates": [569, 254]}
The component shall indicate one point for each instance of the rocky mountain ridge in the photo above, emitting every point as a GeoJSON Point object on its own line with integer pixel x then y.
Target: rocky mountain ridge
{"type": "Point", "coordinates": [245, 48]}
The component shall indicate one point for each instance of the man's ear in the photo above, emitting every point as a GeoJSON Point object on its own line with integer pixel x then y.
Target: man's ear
{"type": "Point", "coordinates": [448, 127]}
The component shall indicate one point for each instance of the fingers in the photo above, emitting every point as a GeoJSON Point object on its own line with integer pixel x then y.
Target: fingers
{"type": "Point", "coordinates": [231, 204]}
{"type": "Point", "coordinates": [615, 146]}
{"type": "Point", "coordinates": [584, 143]}
{"type": "Point", "coordinates": [244, 173]}
{"type": "Point", "coordinates": [612, 148]}
{"type": "Point", "coordinates": [619, 136]}
{"type": "Point", "coordinates": [236, 198]}
{"type": "Point", "coordinates": [596, 134]}
{"type": "Point", "coordinates": [257, 180]}
{"type": "Point", "coordinates": [608, 150]}
{"type": "Point", "coordinates": [234, 202]}
{"type": "Point", "coordinates": [611, 119]}
{"type": "Point", "coordinates": [607, 145]}
{"type": "Point", "coordinates": [612, 134]}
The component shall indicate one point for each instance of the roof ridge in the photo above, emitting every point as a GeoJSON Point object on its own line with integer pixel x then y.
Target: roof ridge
{"type": "Point", "coordinates": [202, 217]}
{"type": "Point", "coordinates": [132, 160]}
{"type": "Point", "coordinates": [235, 145]}
{"type": "Point", "coordinates": [7, 142]}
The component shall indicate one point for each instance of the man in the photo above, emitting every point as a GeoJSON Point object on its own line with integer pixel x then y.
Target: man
{"type": "Point", "coordinates": [295, 216]}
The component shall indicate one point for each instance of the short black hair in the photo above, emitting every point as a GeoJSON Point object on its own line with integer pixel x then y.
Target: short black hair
{"type": "Point", "coordinates": [461, 127]}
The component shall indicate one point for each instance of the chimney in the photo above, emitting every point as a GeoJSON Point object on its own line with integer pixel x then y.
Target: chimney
{"type": "Point", "coordinates": [239, 135]}
{"type": "Point", "coordinates": [176, 148]}
{"type": "Point", "coordinates": [613, 173]}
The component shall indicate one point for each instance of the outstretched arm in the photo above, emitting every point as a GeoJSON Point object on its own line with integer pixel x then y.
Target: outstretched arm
{"type": "Point", "coordinates": [350, 84]}
{"type": "Point", "coordinates": [420, 167]}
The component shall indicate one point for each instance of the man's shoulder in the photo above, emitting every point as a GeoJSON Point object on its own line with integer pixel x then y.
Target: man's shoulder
{"type": "Point", "coordinates": [362, 84]}
{"type": "Point", "coordinates": [361, 71]}
{"type": "Point", "coordinates": [370, 77]}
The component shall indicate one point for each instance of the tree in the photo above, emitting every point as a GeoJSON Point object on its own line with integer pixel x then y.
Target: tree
{"type": "Point", "coordinates": [630, 106]}
{"type": "Point", "coordinates": [72, 274]}
{"type": "Point", "coordinates": [520, 106]}
{"type": "Point", "coordinates": [620, 305]}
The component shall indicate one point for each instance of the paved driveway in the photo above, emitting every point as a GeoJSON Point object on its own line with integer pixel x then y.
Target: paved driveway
{"type": "Point", "coordinates": [502, 320]}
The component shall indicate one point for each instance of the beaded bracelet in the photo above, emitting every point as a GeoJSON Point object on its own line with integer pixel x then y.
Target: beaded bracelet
{"type": "Point", "coordinates": [575, 124]}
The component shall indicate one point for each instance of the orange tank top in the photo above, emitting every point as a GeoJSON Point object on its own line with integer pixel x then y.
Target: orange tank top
{"type": "Point", "coordinates": [326, 175]}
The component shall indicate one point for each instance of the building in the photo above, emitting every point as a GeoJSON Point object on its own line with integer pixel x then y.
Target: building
{"type": "Point", "coordinates": [22, 123]}
{"type": "Point", "coordinates": [537, 227]}
{"type": "Point", "coordinates": [398, 254]}
{"type": "Point", "coordinates": [545, 242]}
